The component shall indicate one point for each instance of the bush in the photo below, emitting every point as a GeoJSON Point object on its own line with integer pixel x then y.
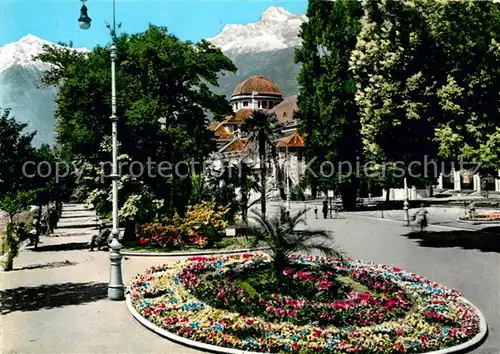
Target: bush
{"type": "Point", "coordinates": [10, 245]}
{"type": "Point", "coordinates": [205, 219]}
{"type": "Point", "coordinates": [203, 225]}
{"type": "Point", "coordinates": [157, 234]}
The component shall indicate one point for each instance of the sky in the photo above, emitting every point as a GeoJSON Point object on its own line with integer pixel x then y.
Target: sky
{"type": "Point", "coordinates": [57, 20]}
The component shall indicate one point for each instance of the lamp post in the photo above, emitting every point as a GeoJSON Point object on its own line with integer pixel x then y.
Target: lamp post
{"type": "Point", "coordinates": [287, 174]}
{"type": "Point", "coordinates": [116, 290]}
{"type": "Point", "coordinates": [406, 206]}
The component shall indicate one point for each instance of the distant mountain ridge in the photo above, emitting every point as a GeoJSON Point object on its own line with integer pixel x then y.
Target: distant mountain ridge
{"type": "Point", "coordinates": [265, 47]}
{"type": "Point", "coordinates": [277, 29]}
{"type": "Point", "coordinates": [20, 87]}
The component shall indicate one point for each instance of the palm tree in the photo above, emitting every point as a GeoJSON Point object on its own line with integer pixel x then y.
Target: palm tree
{"type": "Point", "coordinates": [262, 127]}
{"type": "Point", "coordinates": [247, 182]}
{"type": "Point", "coordinates": [281, 234]}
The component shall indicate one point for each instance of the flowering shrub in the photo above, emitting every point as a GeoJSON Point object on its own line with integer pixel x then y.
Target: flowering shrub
{"type": "Point", "coordinates": [204, 219]}
{"type": "Point", "coordinates": [492, 216]}
{"type": "Point", "coordinates": [216, 300]}
{"type": "Point", "coordinates": [159, 235]}
{"type": "Point", "coordinates": [202, 226]}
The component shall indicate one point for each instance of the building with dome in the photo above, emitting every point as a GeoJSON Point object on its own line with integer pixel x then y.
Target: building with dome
{"type": "Point", "coordinates": [260, 93]}
{"type": "Point", "coordinates": [257, 93]}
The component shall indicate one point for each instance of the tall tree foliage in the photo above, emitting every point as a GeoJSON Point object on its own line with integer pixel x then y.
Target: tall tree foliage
{"type": "Point", "coordinates": [158, 76]}
{"type": "Point", "coordinates": [15, 151]}
{"type": "Point", "coordinates": [467, 34]}
{"type": "Point", "coordinates": [326, 108]}
{"type": "Point", "coordinates": [15, 196]}
{"type": "Point", "coordinates": [428, 78]}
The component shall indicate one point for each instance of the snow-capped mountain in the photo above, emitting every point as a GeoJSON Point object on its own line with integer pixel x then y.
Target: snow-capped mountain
{"type": "Point", "coordinates": [20, 87]}
{"type": "Point", "coordinates": [24, 50]}
{"type": "Point", "coordinates": [277, 29]}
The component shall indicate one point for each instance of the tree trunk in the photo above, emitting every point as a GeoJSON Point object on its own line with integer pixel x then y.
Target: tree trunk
{"type": "Point", "coordinates": [129, 234]}
{"type": "Point", "coordinates": [262, 153]}
{"type": "Point", "coordinates": [429, 189]}
{"type": "Point", "coordinates": [348, 192]}
{"type": "Point", "coordinates": [244, 207]}
{"type": "Point", "coordinates": [314, 190]}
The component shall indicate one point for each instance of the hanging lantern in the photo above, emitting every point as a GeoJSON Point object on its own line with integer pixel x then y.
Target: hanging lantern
{"type": "Point", "coordinates": [84, 19]}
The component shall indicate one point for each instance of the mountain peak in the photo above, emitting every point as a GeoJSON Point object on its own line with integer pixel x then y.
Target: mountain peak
{"type": "Point", "coordinates": [276, 29]}
{"type": "Point", "coordinates": [23, 51]}
{"type": "Point", "coordinates": [275, 13]}
{"type": "Point", "coordinates": [30, 38]}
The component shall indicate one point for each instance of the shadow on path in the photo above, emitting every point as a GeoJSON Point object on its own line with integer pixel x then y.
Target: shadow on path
{"type": "Point", "coordinates": [65, 263]}
{"type": "Point", "coordinates": [50, 296]}
{"type": "Point", "coordinates": [484, 240]}
{"type": "Point", "coordinates": [73, 246]}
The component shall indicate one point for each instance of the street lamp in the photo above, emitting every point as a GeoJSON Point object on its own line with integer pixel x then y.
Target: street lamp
{"type": "Point", "coordinates": [84, 19]}
{"type": "Point", "coordinates": [406, 205]}
{"type": "Point", "coordinates": [116, 290]}
{"type": "Point", "coordinates": [287, 174]}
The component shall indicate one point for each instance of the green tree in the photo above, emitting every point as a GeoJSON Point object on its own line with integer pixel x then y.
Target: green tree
{"type": "Point", "coordinates": [427, 75]}
{"type": "Point", "coordinates": [280, 233]}
{"type": "Point", "coordinates": [15, 151]}
{"type": "Point", "coordinates": [163, 105]}
{"type": "Point", "coordinates": [467, 34]}
{"type": "Point", "coordinates": [327, 112]}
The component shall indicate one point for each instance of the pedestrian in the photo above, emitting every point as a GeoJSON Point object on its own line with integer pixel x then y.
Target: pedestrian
{"type": "Point", "coordinates": [35, 233]}
{"type": "Point", "coordinates": [325, 208]}
{"type": "Point", "coordinates": [21, 232]}
{"type": "Point", "coordinates": [53, 219]}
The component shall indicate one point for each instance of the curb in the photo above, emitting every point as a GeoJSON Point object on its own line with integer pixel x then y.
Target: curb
{"type": "Point", "coordinates": [181, 340]}
{"type": "Point", "coordinates": [473, 343]}
{"type": "Point", "coordinates": [187, 254]}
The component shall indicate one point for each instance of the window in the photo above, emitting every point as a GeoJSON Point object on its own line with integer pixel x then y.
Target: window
{"type": "Point", "coordinates": [245, 103]}
{"type": "Point", "coordinates": [270, 104]}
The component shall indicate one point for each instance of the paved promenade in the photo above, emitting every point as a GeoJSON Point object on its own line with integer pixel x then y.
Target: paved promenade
{"type": "Point", "coordinates": [55, 299]}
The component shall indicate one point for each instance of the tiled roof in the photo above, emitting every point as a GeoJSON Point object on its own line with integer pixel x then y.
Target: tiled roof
{"type": "Point", "coordinates": [222, 132]}
{"type": "Point", "coordinates": [236, 145]}
{"type": "Point", "coordinates": [239, 117]}
{"type": "Point", "coordinates": [285, 110]}
{"type": "Point", "coordinates": [213, 125]}
{"type": "Point", "coordinates": [292, 140]}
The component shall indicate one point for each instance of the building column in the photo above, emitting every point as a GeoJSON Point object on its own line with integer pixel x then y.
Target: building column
{"type": "Point", "coordinates": [497, 183]}
{"type": "Point", "coordinates": [254, 101]}
{"type": "Point", "coordinates": [476, 181]}
{"type": "Point", "coordinates": [413, 193]}
{"type": "Point", "coordinates": [457, 183]}
{"type": "Point", "coordinates": [440, 181]}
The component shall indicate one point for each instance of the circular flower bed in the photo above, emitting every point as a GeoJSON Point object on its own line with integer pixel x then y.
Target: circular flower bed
{"type": "Point", "coordinates": [323, 305]}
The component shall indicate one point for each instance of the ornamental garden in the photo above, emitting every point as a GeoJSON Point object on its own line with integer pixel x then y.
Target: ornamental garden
{"type": "Point", "coordinates": [282, 301]}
